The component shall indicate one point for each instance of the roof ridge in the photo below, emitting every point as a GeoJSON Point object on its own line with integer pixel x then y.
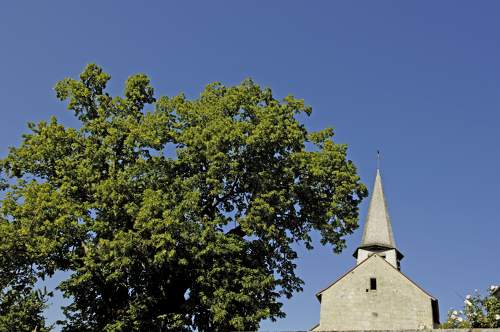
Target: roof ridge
{"type": "Point", "coordinates": [365, 260]}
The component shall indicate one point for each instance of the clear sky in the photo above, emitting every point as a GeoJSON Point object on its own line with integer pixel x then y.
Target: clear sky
{"type": "Point", "coordinates": [419, 80]}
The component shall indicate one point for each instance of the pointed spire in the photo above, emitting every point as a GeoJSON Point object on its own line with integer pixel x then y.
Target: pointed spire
{"type": "Point", "coordinates": [378, 228]}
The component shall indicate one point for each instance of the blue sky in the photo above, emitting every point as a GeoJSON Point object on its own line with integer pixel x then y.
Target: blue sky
{"type": "Point", "coordinates": [419, 80]}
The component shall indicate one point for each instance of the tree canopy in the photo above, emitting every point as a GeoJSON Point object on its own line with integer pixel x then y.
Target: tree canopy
{"type": "Point", "coordinates": [170, 213]}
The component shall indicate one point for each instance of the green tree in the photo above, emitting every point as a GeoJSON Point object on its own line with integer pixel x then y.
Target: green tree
{"type": "Point", "coordinates": [479, 312]}
{"type": "Point", "coordinates": [181, 215]}
{"type": "Point", "coordinates": [21, 306]}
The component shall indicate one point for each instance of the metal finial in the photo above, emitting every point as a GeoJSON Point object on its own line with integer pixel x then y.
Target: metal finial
{"type": "Point", "coordinates": [378, 159]}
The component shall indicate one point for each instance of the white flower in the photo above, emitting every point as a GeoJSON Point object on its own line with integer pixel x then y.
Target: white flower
{"type": "Point", "coordinates": [460, 319]}
{"type": "Point", "coordinates": [455, 312]}
{"type": "Point", "coordinates": [468, 303]}
{"type": "Point", "coordinates": [468, 297]}
{"type": "Point", "coordinates": [497, 317]}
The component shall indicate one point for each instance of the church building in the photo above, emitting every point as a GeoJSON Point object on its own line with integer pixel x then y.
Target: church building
{"type": "Point", "coordinates": [374, 294]}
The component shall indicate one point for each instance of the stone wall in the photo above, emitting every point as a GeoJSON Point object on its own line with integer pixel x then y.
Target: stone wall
{"type": "Point", "coordinates": [427, 330]}
{"type": "Point", "coordinates": [396, 304]}
{"type": "Point", "coordinates": [431, 330]}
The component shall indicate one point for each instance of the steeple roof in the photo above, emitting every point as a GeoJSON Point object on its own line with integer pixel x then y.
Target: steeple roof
{"type": "Point", "coordinates": [378, 228]}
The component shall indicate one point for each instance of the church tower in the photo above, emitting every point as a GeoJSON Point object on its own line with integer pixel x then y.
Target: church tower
{"type": "Point", "coordinates": [374, 294]}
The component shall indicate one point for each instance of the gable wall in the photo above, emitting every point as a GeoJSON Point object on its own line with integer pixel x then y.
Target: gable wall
{"type": "Point", "coordinates": [396, 304]}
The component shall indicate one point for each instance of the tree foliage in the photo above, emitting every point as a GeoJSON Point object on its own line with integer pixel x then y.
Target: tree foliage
{"type": "Point", "coordinates": [171, 213]}
{"type": "Point", "coordinates": [21, 306]}
{"type": "Point", "coordinates": [479, 312]}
